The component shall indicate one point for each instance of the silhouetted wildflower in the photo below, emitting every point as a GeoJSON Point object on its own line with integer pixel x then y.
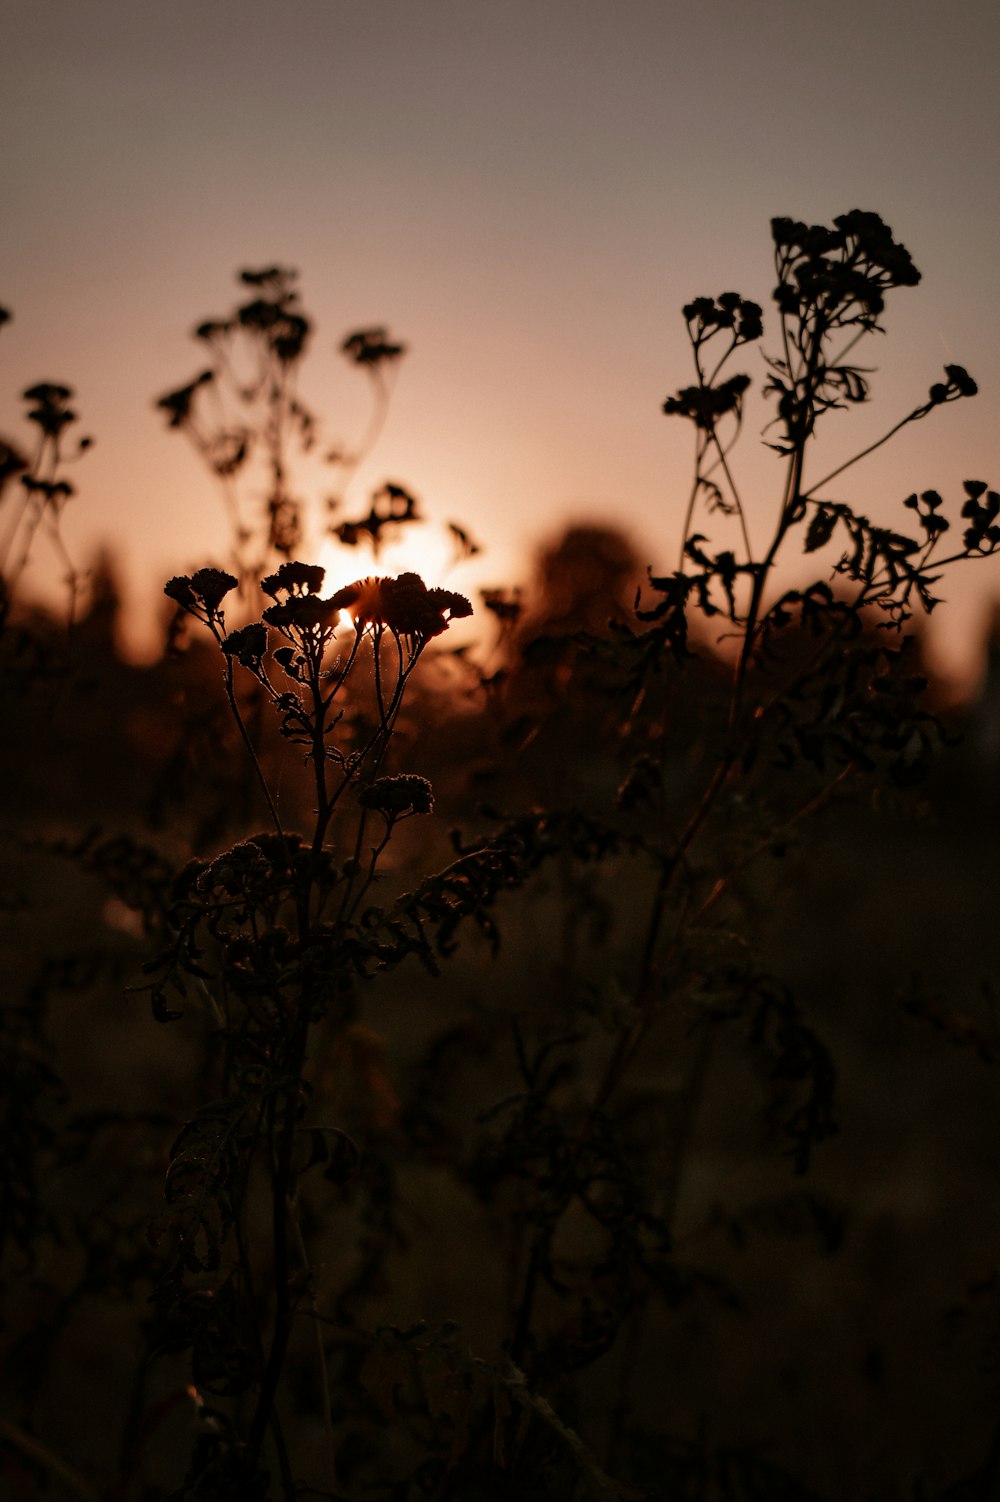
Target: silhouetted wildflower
{"type": "Point", "coordinates": [405, 605]}
{"type": "Point", "coordinates": [206, 588]}
{"type": "Point", "coordinates": [371, 347]}
{"type": "Point", "coordinates": [48, 393]}
{"type": "Point", "coordinates": [275, 276]}
{"type": "Point", "coordinates": [982, 510]}
{"type": "Point", "coordinates": [391, 506]}
{"type": "Point", "coordinates": [294, 579]}
{"type": "Point", "coordinates": [704, 405]}
{"type": "Point", "coordinates": [178, 403]}
{"type": "Point", "coordinates": [212, 585]}
{"type": "Point", "coordinates": [49, 411]}
{"type": "Point", "coordinates": [179, 590]}
{"type": "Point", "coordinates": [850, 265]}
{"type": "Point", "coordinates": [727, 311]}
{"type": "Point", "coordinates": [303, 611]}
{"type": "Point", "coordinates": [958, 384]}
{"type": "Point", "coordinates": [395, 796]}
{"type": "Point", "coordinates": [248, 644]}
{"type": "Point", "coordinates": [272, 315]}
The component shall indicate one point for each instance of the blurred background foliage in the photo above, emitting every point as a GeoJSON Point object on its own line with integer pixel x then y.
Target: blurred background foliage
{"type": "Point", "coordinates": [841, 1327]}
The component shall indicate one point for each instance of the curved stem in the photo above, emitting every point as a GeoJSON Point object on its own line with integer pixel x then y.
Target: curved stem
{"type": "Point", "coordinates": [735, 493]}
{"type": "Point", "coordinates": [248, 743]}
{"type": "Point", "coordinates": [692, 500]}
{"type": "Point", "coordinates": [913, 416]}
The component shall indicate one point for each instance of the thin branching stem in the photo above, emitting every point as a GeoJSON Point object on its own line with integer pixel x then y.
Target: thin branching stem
{"type": "Point", "coordinates": [252, 753]}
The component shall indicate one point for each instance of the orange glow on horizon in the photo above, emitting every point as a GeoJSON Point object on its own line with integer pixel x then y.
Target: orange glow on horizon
{"type": "Point", "coordinates": [528, 218]}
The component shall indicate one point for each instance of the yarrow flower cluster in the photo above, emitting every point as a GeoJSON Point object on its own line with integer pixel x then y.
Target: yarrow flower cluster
{"type": "Point", "coordinates": [404, 605]}
{"type": "Point", "coordinates": [294, 579]}
{"type": "Point", "coordinates": [394, 797]}
{"type": "Point", "coordinates": [202, 593]}
{"type": "Point", "coordinates": [743, 318]}
{"type": "Point", "coordinates": [49, 406]}
{"type": "Point", "coordinates": [958, 384]}
{"type": "Point", "coordinates": [303, 611]}
{"type": "Point", "coordinates": [303, 606]}
{"type": "Point", "coordinates": [371, 347]}
{"type": "Point", "coordinates": [705, 405]}
{"type": "Point", "coordinates": [248, 645]}
{"type": "Point", "coordinates": [854, 262]}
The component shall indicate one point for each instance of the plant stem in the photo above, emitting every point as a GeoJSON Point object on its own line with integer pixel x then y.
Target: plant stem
{"type": "Point", "coordinates": [248, 743]}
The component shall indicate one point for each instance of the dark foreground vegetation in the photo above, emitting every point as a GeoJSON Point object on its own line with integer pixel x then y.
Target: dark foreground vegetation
{"type": "Point", "coordinates": [560, 1068]}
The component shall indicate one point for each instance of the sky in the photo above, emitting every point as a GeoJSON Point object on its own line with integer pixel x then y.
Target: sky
{"type": "Point", "coordinates": [525, 192]}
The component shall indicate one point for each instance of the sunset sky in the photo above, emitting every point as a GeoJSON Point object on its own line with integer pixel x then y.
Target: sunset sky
{"type": "Point", "coordinates": [525, 191]}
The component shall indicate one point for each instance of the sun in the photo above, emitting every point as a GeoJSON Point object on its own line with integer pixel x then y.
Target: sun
{"type": "Point", "coordinates": [422, 550]}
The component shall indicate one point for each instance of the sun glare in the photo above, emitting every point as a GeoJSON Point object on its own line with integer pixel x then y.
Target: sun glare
{"type": "Point", "coordinates": [422, 550]}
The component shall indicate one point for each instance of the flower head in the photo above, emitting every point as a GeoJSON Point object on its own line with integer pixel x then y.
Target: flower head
{"type": "Point", "coordinates": [303, 611]}
{"type": "Point", "coordinates": [395, 796]}
{"type": "Point", "coordinates": [371, 347]}
{"type": "Point", "coordinates": [179, 590]}
{"type": "Point", "coordinates": [48, 406]}
{"type": "Point", "coordinates": [847, 268]}
{"type": "Point", "coordinates": [203, 592]}
{"type": "Point", "coordinates": [405, 605]}
{"type": "Point", "coordinates": [294, 579]}
{"type": "Point", "coordinates": [212, 585]}
{"type": "Point", "coordinates": [248, 644]}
